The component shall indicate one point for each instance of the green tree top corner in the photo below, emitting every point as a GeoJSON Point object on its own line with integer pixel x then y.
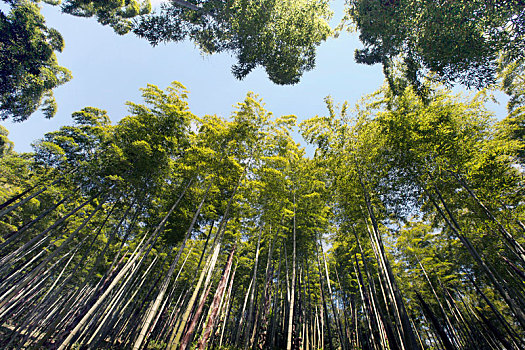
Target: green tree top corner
{"type": "Point", "coordinates": [28, 66]}
{"type": "Point", "coordinates": [448, 41]}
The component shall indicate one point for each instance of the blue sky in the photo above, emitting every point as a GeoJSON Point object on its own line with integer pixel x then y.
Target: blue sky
{"type": "Point", "coordinates": [109, 70]}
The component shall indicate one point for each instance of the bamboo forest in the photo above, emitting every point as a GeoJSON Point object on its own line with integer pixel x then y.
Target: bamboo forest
{"type": "Point", "coordinates": [403, 228]}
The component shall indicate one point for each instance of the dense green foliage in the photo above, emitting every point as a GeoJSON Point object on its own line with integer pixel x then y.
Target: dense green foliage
{"type": "Point", "coordinates": [115, 13]}
{"type": "Point", "coordinates": [280, 36]}
{"type": "Point", "coordinates": [6, 145]}
{"type": "Point", "coordinates": [450, 41]}
{"type": "Point", "coordinates": [28, 66]}
{"type": "Point", "coordinates": [169, 230]}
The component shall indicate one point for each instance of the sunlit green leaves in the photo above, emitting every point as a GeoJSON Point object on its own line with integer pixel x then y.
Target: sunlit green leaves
{"type": "Point", "coordinates": [115, 13]}
{"type": "Point", "coordinates": [28, 66]}
{"type": "Point", "coordinates": [450, 41]}
{"type": "Point", "coordinates": [280, 36]}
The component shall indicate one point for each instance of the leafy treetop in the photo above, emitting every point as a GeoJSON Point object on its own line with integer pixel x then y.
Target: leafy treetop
{"type": "Point", "coordinates": [280, 36]}
{"type": "Point", "coordinates": [450, 41]}
{"type": "Point", "coordinates": [28, 66]}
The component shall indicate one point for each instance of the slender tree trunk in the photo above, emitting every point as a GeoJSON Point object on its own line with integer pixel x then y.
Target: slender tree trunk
{"type": "Point", "coordinates": [131, 262]}
{"type": "Point", "coordinates": [99, 332]}
{"type": "Point", "coordinates": [408, 337]}
{"type": "Point", "coordinates": [250, 314]}
{"type": "Point", "coordinates": [44, 300]}
{"type": "Point", "coordinates": [154, 308]}
{"type": "Point", "coordinates": [369, 314]}
{"type": "Point", "coordinates": [13, 236]}
{"type": "Point", "coordinates": [241, 318]}
{"type": "Point", "coordinates": [473, 252]}
{"type": "Point", "coordinates": [435, 322]}
{"type": "Point", "coordinates": [178, 331]}
{"type": "Point", "coordinates": [176, 334]}
{"type": "Point", "coordinates": [323, 298]}
{"type": "Point", "coordinates": [442, 309]}
{"type": "Point", "coordinates": [39, 268]}
{"type": "Point", "coordinates": [271, 341]}
{"type": "Point", "coordinates": [90, 275]}
{"type": "Point", "coordinates": [40, 239]}
{"type": "Point", "coordinates": [266, 301]}
{"type": "Point", "coordinates": [4, 209]}
{"type": "Point", "coordinates": [217, 300]}
{"type": "Point", "coordinates": [516, 247]}
{"type": "Point", "coordinates": [292, 291]}
{"type": "Point", "coordinates": [186, 340]}
{"type": "Point", "coordinates": [227, 309]}
{"type": "Point", "coordinates": [380, 318]}
{"type": "Point", "coordinates": [495, 311]}
{"type": "Point", "coordinates": [334, 308]}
